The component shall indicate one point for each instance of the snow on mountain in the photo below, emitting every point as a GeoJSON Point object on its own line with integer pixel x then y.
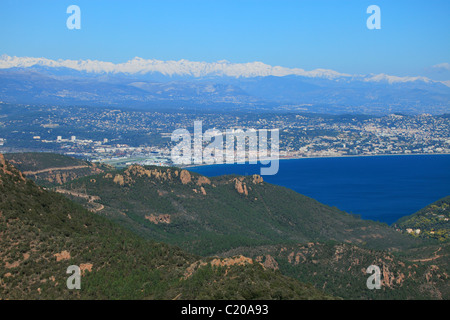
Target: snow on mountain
{"type": "Point", "coordinates": [139, 82]}
{"type": "Point", "coordinates": [394, 79]}
{"type": "Point", "coordinates": [195, 69]}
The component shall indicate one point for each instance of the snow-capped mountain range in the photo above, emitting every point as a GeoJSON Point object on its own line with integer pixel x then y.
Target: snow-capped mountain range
{"type": "Point", "coordinates": [193, 68]}
{"type": "Point", "coordinates": [146, 82]}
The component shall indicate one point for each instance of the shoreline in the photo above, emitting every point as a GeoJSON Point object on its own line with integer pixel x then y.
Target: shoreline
{"type": "Point", "coordinates": [324, 157]}
{"type": "Point", "coordinates": [366, 155]}
{"type": "Point", "coordinates": [382, 214]}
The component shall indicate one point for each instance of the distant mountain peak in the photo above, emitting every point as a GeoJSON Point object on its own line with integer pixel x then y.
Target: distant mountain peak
{"type": "Point", "coordinates": [197, 69]}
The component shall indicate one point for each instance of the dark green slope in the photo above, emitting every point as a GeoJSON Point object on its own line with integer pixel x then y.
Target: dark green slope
{"type": "Point", "coordinates": [42, 233]}
{"type": "Point", "coordinates": [431, 222]}
{"type": "Point", "coordinates": [208, 216]}
{"type": "Point", "coordinates": [339, 269]}
{"type": "Point", "coordinates": [35, 161]}
{"type": "Point", "coordinates": [50, 169]}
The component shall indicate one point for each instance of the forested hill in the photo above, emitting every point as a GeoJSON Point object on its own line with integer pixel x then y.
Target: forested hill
{"type": "Point", "coordinates": [245, 221]}
{"type": "Point", "coordinates": [42, 233]}
{"type": "Point", "coordinates": [210, 215]}
{"type": "Point", "coordinates": [50, 169]}
{"type": "Point", "coordinates": [431, 222]}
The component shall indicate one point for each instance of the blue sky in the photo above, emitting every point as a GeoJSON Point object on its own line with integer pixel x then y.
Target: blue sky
{"type": "Point", "coordinates": [331, 34]}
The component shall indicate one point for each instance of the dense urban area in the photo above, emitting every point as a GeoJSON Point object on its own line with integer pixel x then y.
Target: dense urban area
{"type": "Point", "coordinates": [125, 136]}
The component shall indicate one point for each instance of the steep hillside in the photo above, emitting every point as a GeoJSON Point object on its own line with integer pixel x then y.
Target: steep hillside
{"type": "Point", "coordinates": [340, 269]}
{"type": "Point", "coordinates": [431, 222]}
{"type": "Point", "coordinates": [49, 169]}
{"type": "Point", "coordinates": [280, 231]}
{"type": "Point", "coordinates": [210, 215]}
{"type": "Point", "coordinates": [42, 233]}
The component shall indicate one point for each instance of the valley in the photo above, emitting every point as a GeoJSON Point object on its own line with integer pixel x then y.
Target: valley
{"type": "Point", "coordinates": [42, 233]}
{"type": "Point", "coordinates": [244, 216]}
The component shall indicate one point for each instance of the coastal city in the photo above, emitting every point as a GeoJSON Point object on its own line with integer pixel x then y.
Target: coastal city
{"type": "Point", "coordinates": [122, 137]}
{"type": "Point", "coordinates": [225, 158]}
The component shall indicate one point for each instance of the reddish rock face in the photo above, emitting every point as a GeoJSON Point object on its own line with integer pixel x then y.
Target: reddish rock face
{"type": "Point", "coordinates": [240, 187]}
{"type": "Point", "coordinates": [185, 177]}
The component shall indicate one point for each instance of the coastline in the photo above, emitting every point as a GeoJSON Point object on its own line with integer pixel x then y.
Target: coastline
{"type": "Point", "coordinates": [381, 189]}
{"type": "Point", "coordinates": [326, 157]}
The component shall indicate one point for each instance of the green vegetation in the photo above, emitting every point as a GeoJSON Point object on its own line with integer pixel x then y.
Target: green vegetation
{"type": "Point", "coordinates": [431, 222]}
{"type": "Point", "coordinates": [339, 269]}
{"type": "Point", "coordinates": [50, 170]}
{"type": "Point", "coordinates": [287, 235]}
{"type": "Point", "coordinates": [35, 161]}
{"type": "Point", "coordinates": [42, 233]}
{"type": "Point", "coordinates": [221, 213]}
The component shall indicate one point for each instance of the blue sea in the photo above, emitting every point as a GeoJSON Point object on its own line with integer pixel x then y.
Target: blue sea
{"type": "Point", "coordinates": [380, 188]}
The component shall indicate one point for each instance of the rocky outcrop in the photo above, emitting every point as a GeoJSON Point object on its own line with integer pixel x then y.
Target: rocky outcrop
{"type": "Point", "coordinates": [239, 260]}
{"type": "Point", "coordinates": [240, 186]}
{"type": "Point", "coordinates": [9, 169]}
{"type": "Point", "coordinates": [256, 178]}
{"type": "Point", "coordinates": [185, 177]}
{"type": "Point", "coordinates": [63, 255]}
{"type": "Point", "coordinates": [294, 258]}
{"type": "Point", "coordinates": [157, 173]}
{"type": "Point", "coordinates": [160, 218]}
{"type": "Point", "coordinates": [217, 262]}
{"type": "Point", "coordinates": [2, 165]}
{"type": "Point", "coordinates": [85, 267]}
{"type": "Point", "coordinates": [203, 180]}
{"type": "Point", "coordinates": [118, 179]}
{"type": "Point", "coordinates": [269, 262]}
